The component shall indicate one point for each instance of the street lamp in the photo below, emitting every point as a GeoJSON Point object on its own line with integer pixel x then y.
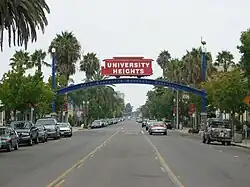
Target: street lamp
{"type": "Point", "coordinates": [203, 76]}
{"type": "Point", "coordinates": [85, 108]}
{"type": "Point", "coordinates": [53, 51]}
{"type": "Point", "coordinates": [2, 112]}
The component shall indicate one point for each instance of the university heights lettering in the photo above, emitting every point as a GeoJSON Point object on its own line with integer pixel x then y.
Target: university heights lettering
{"type": "Point", "coordinates": [127, 66]}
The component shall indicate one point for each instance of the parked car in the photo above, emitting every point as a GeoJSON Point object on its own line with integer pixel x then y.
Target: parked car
{"type": "Point", "coordinates": [43, 135]}
{"type": "Point", "coordinates": [8, 139]}
{"type": "Point", "coordinates": [158, 128]}
{"type": "Point", "coordinates": [169, 124]}
{"type": "Point", "coordinates": [27, 132]}
{"type": "Point", "coordinates": [65, 129]}
{"type": "Point", "coordinates": [96, 124]}
{"type": "Point", "coordinates": [217, 130]}
{"type": "Point", "coordinates": [51, 127]}
{"type": "Point", "coordinates": [149, 123]}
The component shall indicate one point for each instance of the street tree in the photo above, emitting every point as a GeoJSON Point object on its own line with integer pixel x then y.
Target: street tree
{"type": "Point", "coordinates": [68, 52]}
{"type": "Point", "coordinates": [224, 60]}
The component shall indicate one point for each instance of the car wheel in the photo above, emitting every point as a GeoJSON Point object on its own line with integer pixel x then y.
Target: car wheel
{"type": "Point", "coordinates": [228, 143]}
{"type": "Point", "coordinates": [9, 148]}
{"type": "Point", "coordinates": [70, 135]}
{"type": "Point", "coordinates": [150, 133]}
{"type": "Point", "coordinates": [165, 133]}
{"type": "Point", "coordinates": [16, 146]}
{"type": "Point", "coordinates": [30, 143]}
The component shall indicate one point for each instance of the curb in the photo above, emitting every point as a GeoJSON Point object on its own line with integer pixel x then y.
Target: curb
{"type": "Point", "coordinates": [239, 145]}
{"type": "Point", "coordinates": [233, 144]}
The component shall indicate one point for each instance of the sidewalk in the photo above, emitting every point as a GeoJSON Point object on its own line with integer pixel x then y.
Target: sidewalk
{"type": "Point", "coordinates": [244, 144]}
{"type": "Point", "coordinates": [75, 129]}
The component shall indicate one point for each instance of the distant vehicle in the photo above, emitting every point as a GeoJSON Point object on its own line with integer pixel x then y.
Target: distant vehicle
{"type": "Point", "coordinates": [217, 130]}
{"type": "Point", "coordinates": [158, 128]}
{"type": "Point", "coordinates": [27, 132]}
{"type": "Point", "coordinates": [8, 139]}
{"type": "Point", "coordinates": [96, 124]}
{"type": "Point", "coordinates": [65, 129]}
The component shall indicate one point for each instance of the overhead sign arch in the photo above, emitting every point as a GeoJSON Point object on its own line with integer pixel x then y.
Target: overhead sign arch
{"type": "Point", "coordinates": [165, 83]}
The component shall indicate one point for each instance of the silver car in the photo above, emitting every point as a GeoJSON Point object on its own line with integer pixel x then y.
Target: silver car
{"type": "Point", "coordinates": [158, 128]}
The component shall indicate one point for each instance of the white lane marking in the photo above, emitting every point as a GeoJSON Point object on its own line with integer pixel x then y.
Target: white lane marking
{"type": "Point", "coordinates": [156, 158]}
{"type": "Point", "coordinates": [170, 173]}
{"type": "Point", "coordinates": [220, 151]}
{"type": "Point", "coordinates": [92, 155]}
{"type": "Point", "coordinates": [236, 156]}
{"type": "Point", "coordinates": [142, 132]}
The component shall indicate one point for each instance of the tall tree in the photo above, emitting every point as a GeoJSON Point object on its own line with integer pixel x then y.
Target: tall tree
{"type": "Point", "coordinates": [22, 19]}
{"type": "Point", "coordinates": [224, 60]}
{"type": "Point", "coordinates": [20, 61]}
{"type": "Point", "coordinates": [128, 108]}
{"type": "Point", "coordinates": [68, 52]}
{"type": "Point", "coordinates": [38, 60]}
{"type": "Point", "coordinates": [244, 49]}
{"type": "Point", "coordinates": [89, 64]}
{"type": "Point", "coordinates": [163, 59]}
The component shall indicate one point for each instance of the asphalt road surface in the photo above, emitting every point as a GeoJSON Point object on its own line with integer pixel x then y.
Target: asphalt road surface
{"type": "Point", "coordinates": [125, 155]}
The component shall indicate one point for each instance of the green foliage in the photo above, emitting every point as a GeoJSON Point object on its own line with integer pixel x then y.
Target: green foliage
{"type": "Point", "coordinates": [227, 91]}
{"type": "Point", "coordinates": [159, 104]}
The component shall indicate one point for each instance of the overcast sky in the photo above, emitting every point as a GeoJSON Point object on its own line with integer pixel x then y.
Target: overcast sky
{"type": "Point", "coordinates": [144, 28]}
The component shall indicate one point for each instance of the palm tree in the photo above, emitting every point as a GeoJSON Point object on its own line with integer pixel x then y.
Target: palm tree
{"type": "Point", "coordinates": [163, 60]}
{"type": "Point", "coordinates": [20, 61]}
{"type": "Point", "coordinates": [22, 19]}
{"type": "Point", "coordinates": [90, 64]}
{"type": "Point", "coordinates": [224, 60]}
{"type": "Point", "coordinates": [68, 52]}
{"type": "Point", "coordinates": [192, 66]}
{"type": "Point", "coordinates": [37, 60]}
{"type": "Point", "coordinates": [175, 71]}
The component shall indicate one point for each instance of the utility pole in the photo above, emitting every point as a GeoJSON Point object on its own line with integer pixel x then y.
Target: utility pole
{"type": "Point", "coordinates": [177, 109]}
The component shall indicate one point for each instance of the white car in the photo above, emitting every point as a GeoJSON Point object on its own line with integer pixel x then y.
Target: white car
{"type": "Point", "coordinates": [65, 129]}
{"type": "Point", "coordinates": [158, 128]}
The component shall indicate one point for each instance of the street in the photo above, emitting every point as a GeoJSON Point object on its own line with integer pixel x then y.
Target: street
{"type": "Point", "coordinates": [125, 155]}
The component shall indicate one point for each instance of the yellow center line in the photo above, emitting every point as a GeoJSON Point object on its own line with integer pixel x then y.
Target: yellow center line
{"type": "Point", "coordinates": [170, 173]}
{"type": "Point", "coordinates": [59, 183]}
{"type": "Point", "coordinates": [79, 162]}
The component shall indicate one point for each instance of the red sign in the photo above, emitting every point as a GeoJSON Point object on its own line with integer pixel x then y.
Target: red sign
{"type": "Point", "coordinates": [127, 66]}
{"type": "Point", "coordinates": [191, 108]}
{"type": "Point", "coordinates": [174, 110]}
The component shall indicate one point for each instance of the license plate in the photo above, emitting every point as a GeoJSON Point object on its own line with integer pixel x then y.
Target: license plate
{"type": "Point", "coordinates": [62, 132]}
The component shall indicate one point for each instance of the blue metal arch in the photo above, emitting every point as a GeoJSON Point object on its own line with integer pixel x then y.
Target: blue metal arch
{"type": "Point", "coordinates": [132, 81]}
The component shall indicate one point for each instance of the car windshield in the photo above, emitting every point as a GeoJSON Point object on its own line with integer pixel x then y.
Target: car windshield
{"type": "Point", "coordinates": [63, 125]}
{"type": "Point", "coordinates": [218, 124]}
{"type": "Point", "coordinates": [45, 122]}
{"type": "Point", "coordinates": [2, 131]}
{"type": "Point", "coordinates": [19, 125]}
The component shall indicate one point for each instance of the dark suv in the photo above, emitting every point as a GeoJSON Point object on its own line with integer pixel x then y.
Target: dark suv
{"type": "Point", "coordinates": [26, 131]}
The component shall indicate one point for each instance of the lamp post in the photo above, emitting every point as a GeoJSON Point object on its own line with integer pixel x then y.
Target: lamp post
{"type": "Point", "coordinates": [2, 113]}
{"type": "Point", "coordinates": [203, 76]}
{"type": "Point", "coordinates": [53, 50]}
{"type": "Point", "coordinates": [85, 108]}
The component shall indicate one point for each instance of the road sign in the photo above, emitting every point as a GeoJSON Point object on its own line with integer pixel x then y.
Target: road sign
{"type": "Point", "coordinates": [127, 66]}
{"type": "Point", "coordinates": [247, 100]}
